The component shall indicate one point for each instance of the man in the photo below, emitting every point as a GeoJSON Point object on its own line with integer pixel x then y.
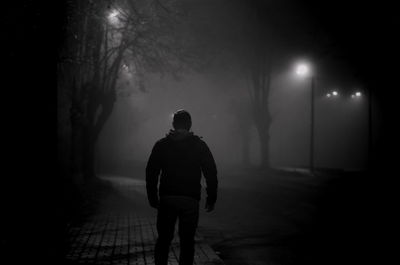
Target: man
{"type": "Point", "coordinates": [181, 157]}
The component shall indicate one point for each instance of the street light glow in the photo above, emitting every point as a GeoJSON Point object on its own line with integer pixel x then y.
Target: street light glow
{"type": "Point", "coordinates": [328, 95]}
{"type": "Point", "coordinates": [302, 69]}
{"type": "Point", "coordinates": [113, 16]}
{"type": "Point", "coordinates": [335, 93]}
{"type": "Point", "coordinates": [358, 94]}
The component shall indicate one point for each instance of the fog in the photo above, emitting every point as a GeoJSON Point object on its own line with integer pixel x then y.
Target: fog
{"type": "Point", "coordinates": [221, 113]}
{"type": "Point", "coordinates": [228, 41]}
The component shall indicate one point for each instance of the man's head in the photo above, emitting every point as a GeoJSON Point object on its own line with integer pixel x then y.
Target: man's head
{"type": "Point", "coordinates": [182, 120]}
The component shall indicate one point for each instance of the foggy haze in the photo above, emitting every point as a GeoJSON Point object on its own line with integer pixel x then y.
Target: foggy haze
{"type": "Point", "coordinates": [220, 109]}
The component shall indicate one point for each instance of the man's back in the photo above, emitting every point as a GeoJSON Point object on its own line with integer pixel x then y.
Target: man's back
{"type": "Point", "coordinates": [181, 157]}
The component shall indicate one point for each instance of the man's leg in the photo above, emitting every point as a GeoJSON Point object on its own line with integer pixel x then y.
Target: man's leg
{"type": "Point", "coordinates": [166, 219]}
{"type": "Point", "coordinates": [188, 220]}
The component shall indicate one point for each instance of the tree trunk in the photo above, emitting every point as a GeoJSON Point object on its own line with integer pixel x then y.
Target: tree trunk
{"type": "Point", "coordinates": [93, 129]}
{"type": "Point", "coordinates": [263, 126]}
{"type": "Point", "coordinates": [261, 84]}
{"type": "Point", "coordinates": [245, 149]}
{"type": "Point", "coordinates": [88, 159]}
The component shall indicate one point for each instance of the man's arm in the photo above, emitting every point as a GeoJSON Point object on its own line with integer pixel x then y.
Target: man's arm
{"type": "Point", "coordinates": [209, 170]}
{"type": "Point", "coordinates": [153, 169]}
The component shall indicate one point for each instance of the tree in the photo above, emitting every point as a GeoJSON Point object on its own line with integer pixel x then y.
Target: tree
{"type": "Point", "coordinates": [103, 38]}
{"type": "Point", "coordinates": [243, 123]}
{"type": "Point", "coordinates": [257, 70]}
{"type": "Point", "coordinates": [250, 47]}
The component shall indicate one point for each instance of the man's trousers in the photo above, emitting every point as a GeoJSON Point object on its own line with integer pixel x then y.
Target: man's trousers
{"type": "Point", "coordinates": [170, 209]}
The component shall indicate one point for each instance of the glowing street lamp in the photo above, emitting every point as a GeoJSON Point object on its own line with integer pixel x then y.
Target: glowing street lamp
{"type": "Point", "coordinates": [113, 17]}
{"type": "Point", "coordinates": [303, 69]}
{"type": "Point", "coordinates": [358, 94]}
{"type": "Point", "coordinates": [333, 93]}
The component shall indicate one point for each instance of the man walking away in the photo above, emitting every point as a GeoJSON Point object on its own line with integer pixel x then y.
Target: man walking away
{"type": "Point", "coordinates": [181, 157]}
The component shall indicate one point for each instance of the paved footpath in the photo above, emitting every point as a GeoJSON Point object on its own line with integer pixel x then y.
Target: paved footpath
{"type": "Point", "coordinates": [122, 237]}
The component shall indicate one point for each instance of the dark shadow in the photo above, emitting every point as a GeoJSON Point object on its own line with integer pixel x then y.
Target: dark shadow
{"type": "Point", "coordinates": [341, 231]}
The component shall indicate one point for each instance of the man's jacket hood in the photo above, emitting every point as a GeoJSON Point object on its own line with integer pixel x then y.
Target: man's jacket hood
{"type": "Point", "coordinates": [179, 135]}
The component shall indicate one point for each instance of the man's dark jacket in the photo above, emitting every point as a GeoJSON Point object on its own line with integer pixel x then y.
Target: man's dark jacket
{"type": "Point", "coordinates": [181, 157]}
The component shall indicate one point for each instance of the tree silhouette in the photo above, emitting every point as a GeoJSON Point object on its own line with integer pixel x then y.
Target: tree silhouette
{"type": "Point", "coordinates": [102, 39]}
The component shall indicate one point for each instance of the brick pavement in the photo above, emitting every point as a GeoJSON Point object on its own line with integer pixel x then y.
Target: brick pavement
{"type": "Point", "coordinates": [116, 238]}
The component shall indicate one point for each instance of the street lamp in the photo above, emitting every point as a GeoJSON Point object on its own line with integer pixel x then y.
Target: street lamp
{"type": "Point", "coordinates": [333, 93]}
{"type": "Point", "coordinates": [356, 95]}
{"type": "Point", "coordinates": [368, 97]}
{"type": "Point", "coordinates": [304, 70]}
{"type": "Point", "coordinates": [113, 17]}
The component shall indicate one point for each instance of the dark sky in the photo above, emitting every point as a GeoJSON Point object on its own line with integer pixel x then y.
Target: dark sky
{"type": "Point", "coordinates": [357, 32]}
{"type": "Point", "coordinates": [362, 38]}
{"type": "Point", "coordinates": [359, 36]}
{"type": "Point", "coordinates": [362, 33]}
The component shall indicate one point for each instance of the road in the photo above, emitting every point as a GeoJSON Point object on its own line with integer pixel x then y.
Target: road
{"type": "Point", "coordinates": [274, 217]}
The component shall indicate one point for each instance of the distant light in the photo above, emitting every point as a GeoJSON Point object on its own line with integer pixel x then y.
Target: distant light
{"type": "Point", "coordinates": [335, 93]}
{"type": "Point", "coordinates": [113, 16]}
{"type": "Point", "coordinates": [328, 95]}
{"type": "Point", "coordinates": [353, 96]}
{"type": "Point", "coordinates": [302, 69]}
{"type": "Point", "coordinates": [358, 94]}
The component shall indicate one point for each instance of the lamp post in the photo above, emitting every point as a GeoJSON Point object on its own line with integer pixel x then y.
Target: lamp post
{"type": "Point", "coordinates": [312, 125]}
{"type": "Point", "coordinates": [356, 95]}
{"type": "Point", "coordinates": [370, 158]}
{"type": "Point", "coordinates": [303, 70]}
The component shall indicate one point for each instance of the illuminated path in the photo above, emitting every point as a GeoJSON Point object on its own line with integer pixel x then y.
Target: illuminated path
{"type": "Point", "coordinates": [125, 237]}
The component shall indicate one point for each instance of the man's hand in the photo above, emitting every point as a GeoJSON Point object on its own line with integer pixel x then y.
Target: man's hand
{"type": "Point", "coordinates": [209, 207]}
